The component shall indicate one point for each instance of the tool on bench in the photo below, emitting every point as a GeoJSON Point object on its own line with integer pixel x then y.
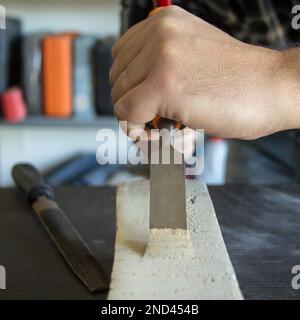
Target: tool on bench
{"type": "Point", "coordinates": [68, 241]}
{"type": "Point", "coordinates": [167, 181]}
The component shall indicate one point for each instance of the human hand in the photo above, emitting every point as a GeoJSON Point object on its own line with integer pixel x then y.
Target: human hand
{"type": "Point", "coordinates": [177, 66]}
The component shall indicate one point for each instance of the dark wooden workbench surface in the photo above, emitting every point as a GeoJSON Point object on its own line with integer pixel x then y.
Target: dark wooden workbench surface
{"type": "Point", "coordinates": [260, 225]}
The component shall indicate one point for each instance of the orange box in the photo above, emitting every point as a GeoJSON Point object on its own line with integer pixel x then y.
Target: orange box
{"type": "Point", "coordinates": [57, 75]}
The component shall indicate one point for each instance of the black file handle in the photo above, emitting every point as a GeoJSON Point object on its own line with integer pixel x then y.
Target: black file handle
{"type": "Point", "coordinates": [30, 181]}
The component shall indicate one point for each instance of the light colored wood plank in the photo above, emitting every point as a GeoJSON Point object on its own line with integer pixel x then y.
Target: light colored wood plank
{"type": "Point", "coordinates": [169, 268]}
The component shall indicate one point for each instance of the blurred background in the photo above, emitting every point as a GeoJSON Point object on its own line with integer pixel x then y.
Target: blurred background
{"type": "Point", "coordinates": [50, 50]}
{"type": "Point", "coordinates": [55, 94]}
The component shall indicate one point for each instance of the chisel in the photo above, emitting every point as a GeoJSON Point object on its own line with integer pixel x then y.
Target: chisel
{"type": "Point", "coordinates": [66, 238]}
{"type": "Point", "coordinates": [167, 181]}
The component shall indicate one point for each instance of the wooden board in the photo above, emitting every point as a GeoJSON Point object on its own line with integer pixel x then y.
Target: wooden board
{"type": "Point", "coordinates": [170, 268]}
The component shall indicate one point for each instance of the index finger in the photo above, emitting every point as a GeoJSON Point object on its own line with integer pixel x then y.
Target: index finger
{"type": "Point", "coordinates": [130, 34]}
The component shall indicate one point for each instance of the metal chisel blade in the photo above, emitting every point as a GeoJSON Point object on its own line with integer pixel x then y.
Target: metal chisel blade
{"type": "Point", "coordinates": [167, 194]}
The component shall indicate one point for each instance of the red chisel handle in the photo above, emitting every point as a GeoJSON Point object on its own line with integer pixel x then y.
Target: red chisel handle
{"type": "Point", "coordinates": [163, 3]}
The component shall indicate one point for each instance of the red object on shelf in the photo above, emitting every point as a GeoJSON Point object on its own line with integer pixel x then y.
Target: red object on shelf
{"type": "Point", "coordinates": [163, 3]}
{"type": "Point", "coordinates": [215, 139]}
{"type": "Point", "coordinates": [13, 105]}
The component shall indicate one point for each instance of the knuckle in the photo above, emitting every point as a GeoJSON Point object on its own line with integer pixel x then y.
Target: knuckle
{"type": "Point", "coordinates": [134, 105]}
{"type": "Point", "coordinates": [129, 102]}
{"type": "Point", "coordinates": [130, 108]}
{"type": "Point", "coordinates": [167, 49]}
{"type": "Point", "coordinates": [166, 25]}
{"type": "Point", "coordinates": [174, 9]}
{"type": "Point", "coordinates": [125, 107]}
{"type": "Point", "coordinates": [112, 73]}
{"type": "Point", "coordinates": [115, 93]}
{"type": "Point", "coordinates": [128, 75]}
{"type": "Point", "coordinates": [120, 86]}
{"type": "Point", "coordinates": [123, 80]}
{"type": "Point", "coordinates": [120, 111]}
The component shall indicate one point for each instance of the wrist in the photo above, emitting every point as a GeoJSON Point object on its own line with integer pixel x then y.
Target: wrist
{"type": "Point", "coordinates": [287, 86]}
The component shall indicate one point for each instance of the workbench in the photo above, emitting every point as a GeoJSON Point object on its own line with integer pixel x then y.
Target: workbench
{"type": "Point", "coordinates": [260, 226]}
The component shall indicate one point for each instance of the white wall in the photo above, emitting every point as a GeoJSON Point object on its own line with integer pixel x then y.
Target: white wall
{"type": "Point", "coordinates": [96, 16]}
{"type": "Point", "coordinates": [44, 146]}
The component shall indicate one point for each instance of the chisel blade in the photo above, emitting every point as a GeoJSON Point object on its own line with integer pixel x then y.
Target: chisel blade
{"type": "Point", "coordinates": [167, 194]}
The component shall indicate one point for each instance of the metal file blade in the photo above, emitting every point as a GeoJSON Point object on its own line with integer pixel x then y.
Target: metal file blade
{"type": "Point", "coordinates": [60, 229]}
{"type": "Point", "coordinates": [167, 193]}
{"type": "Point", "coordinates": [167, 181]}
{"type": "Point", "coordinates": [71, 245]}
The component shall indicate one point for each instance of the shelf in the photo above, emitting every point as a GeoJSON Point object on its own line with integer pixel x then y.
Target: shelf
{"type": "Point", "coordinates": [41, 121]}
